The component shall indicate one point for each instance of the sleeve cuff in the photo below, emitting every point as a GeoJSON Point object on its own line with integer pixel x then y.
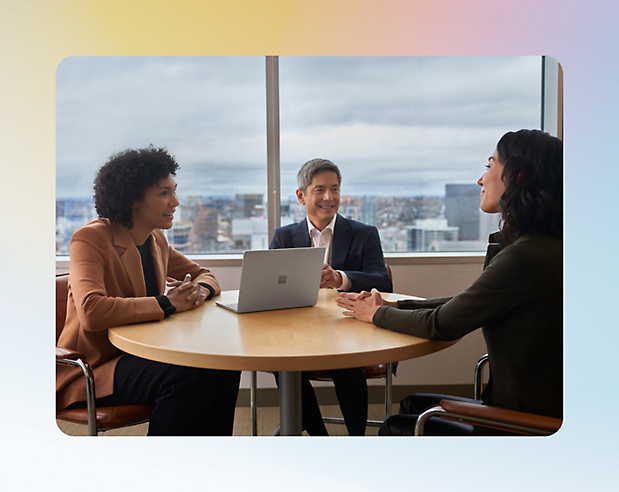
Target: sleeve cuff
{"type": "Point", "coordinates": [346, 283]}
{"type": "Point", "coordinates": [165, 305]}
{"type": "Point", "coordinates": [210, 290]}
{"type": "Point", "coordinates": [379, 314]}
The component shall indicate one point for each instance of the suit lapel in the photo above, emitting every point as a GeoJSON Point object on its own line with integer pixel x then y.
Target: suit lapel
{"type": "Point", "coordinates": [342, 237]}
{"type": "Point", "coordinates": [129, 257]}
{"type": "Point", "coordinates": [300, 237]}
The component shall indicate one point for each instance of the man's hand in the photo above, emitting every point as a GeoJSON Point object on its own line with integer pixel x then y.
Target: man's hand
{"type": "Point", "coordinates": [330, 277]}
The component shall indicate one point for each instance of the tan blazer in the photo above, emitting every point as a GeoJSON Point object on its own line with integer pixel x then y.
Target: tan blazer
{"type": "Point", "coordinates": [106, 289]}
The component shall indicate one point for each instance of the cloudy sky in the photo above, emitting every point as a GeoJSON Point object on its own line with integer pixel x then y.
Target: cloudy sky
{"type": "Point", "coordinates": [396, 126]}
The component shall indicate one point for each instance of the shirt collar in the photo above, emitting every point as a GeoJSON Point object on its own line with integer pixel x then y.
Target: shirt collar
{"type": "Point", "coordinates": [331, 225]}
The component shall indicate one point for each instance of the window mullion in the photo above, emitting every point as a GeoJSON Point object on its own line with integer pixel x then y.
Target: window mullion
{"type": "Point", "coordinates": [273, 179]}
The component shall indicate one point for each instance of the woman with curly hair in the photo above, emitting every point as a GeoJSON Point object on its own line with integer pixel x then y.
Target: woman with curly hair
{"type": "Point", "coordinates": [119, 265]}
{"type": "Point", "coordinates": [517, 300]}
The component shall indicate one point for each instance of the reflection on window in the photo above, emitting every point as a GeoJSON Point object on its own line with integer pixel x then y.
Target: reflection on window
{"type": "Point", "coordinates": [209, 112]}
{"type": "Point", "coordinates": [411, 136]}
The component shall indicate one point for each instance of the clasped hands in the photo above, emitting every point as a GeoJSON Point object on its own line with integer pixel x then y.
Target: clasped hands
{"type": "Point", "coordinates": [184, 294]}
{"type": "Point", "coordinates": [362, 306]}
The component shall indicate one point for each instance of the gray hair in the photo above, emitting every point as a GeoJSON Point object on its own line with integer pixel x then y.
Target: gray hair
{"type": "Point", "coordinates": [313, 167]}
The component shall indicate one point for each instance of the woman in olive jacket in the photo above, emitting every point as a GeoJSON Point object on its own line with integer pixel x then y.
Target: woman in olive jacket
{"type": "Point", "coordinates": [517, 300]}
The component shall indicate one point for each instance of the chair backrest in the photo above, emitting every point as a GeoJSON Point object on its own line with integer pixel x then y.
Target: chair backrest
{"type": "Point", "coordinates": [389, 271]}
{"type": "Point", "coordinates": [62, 294]}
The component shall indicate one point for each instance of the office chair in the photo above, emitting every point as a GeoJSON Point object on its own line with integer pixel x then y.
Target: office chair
{"type": "Point", "coordinates": [520, 423]}
{"type": "Point", "coordinates": [97, 419]}
{"type": "Point", "coordinates": [371, 372]}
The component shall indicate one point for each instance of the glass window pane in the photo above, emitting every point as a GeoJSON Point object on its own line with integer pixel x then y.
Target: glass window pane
{"type": "Point", "coordinates": [411, 136]}
{"type": "Point", "coordinates": [209, 112]}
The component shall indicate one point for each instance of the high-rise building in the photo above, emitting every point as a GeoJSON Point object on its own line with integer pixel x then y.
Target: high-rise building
{"type": "Point", "coordinates": [203, 236]}
{"type": "Point", "coordinates": [247, 204]}
{"type": "Point", "coordinates": [368, 211]}
{"type": "Point", "coordinates": [349, 207]}
{"type": "Point", "coordinates": [250, 233]}
{"type": "Point", "coordinates": [462, 210]}
{"type": "Point", "coordinates": [178, 236]}
{"type": "Point", "coordinates": [430, 235]}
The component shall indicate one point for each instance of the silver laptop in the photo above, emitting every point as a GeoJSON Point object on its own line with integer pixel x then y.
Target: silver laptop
{"type": "Point", "coordinates": [278, 279]}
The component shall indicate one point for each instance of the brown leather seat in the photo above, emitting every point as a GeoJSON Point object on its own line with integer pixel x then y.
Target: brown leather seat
{"type": "Point", "coordinates": [107, 417]}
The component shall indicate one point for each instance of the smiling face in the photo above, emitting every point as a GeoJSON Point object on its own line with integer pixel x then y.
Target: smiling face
{"type": "Point", "coordinates": [492, 185]}
{"type": "Point", "coordinates": [321, 198]}
{"type": "Point", "coordinates": [155, 210]}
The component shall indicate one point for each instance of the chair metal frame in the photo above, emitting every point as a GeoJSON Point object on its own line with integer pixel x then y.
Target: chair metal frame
{"type": "Point", "coordinates": [438, 411]}
{"type": "Point", "coordinates": [491, 417]}
{"type": "Point", "coordinates": [133, 415]}
{"type": "Point", "coordinates": [89, 381]}
{"type": "Point", "coordinates": [388, 391]}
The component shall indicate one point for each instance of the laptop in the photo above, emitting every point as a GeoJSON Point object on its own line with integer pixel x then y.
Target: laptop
{"type": "Point", "coordinates": [278, 279]}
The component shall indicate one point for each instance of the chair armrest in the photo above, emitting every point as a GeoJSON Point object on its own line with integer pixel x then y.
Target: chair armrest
{"type": "Point", "coordinates": [62, 353]}
{"type": "Point", "coordinates": [479, 375]}
{"type": "Point", "coordinates": [72, 358]}
{"type": "Point", "coordinates": [486, 416]}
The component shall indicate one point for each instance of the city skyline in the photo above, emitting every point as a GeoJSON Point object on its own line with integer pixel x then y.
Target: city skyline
{"type": "Point", "coordinates": [210, 225]}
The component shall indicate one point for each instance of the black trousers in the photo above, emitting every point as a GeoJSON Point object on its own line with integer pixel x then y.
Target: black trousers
{"type": "Point", "coordinates": [351, 388]}
{"type": "Point", "coordinates": [403, 424]}
{"type": "Point", "coordinates": [186, 401]}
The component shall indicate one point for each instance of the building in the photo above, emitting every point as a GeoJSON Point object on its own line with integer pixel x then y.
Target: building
{"type": "Point", "coordinates": [429, 234]}
{"type": "Point", "coordinates": [179, 236]}
{"type": "Point", "coordinates": [250, 233]}
{"type": "Point", "coordinates": [247, 204]}
{"type": "Point", "coordinates": [205, 228]}
{"type": "Point", "coordinates": [462, 210]}
{"type": "Point", "coordinates": [368, 211]}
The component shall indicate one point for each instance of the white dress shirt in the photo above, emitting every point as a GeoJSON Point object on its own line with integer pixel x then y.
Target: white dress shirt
{"type": "Point", "coordinates": [324, 239]}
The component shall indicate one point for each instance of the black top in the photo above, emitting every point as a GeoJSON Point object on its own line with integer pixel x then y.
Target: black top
{"type": "Point", "coordinates": [518, 303]}
{"type": "Point", "coordinates": [150, 279]}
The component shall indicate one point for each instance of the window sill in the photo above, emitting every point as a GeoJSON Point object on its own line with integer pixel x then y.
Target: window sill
{"type": "Point", "coordinates": [235, 260]}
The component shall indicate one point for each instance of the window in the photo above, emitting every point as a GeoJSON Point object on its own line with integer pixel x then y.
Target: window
{"type": "Point", "coordinates": [210, 114]}
{"type": "Point", "coordinates": [410, 134]}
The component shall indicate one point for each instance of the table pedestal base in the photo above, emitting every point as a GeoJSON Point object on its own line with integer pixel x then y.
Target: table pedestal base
{"type": "Point", "coordinates": [290, 417]}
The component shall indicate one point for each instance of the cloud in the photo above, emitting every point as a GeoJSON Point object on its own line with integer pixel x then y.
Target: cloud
{"type": "Point", "coordinates": [395, 125]}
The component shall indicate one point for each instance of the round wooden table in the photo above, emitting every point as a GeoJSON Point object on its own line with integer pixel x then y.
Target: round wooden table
{"type": "Point", "coordinates": [287, 340]}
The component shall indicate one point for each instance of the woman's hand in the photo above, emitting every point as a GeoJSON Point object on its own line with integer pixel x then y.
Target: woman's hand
{"type": "Point", "coordinates": [360, 306]}
{"type": "Point", "coordinates": [364, 293]}
{"type": "Point", "coordinates": [185, 295]}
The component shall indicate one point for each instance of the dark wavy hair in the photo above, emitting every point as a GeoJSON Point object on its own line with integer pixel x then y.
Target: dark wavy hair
{"type": "Point", "coordinates": [124, 177]}
{"type": "Point", "coordinates": [533, 177]}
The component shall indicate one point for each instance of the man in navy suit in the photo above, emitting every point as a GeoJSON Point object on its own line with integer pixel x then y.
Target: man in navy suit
{"type": "Point", "coordinates": [353, 262]}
